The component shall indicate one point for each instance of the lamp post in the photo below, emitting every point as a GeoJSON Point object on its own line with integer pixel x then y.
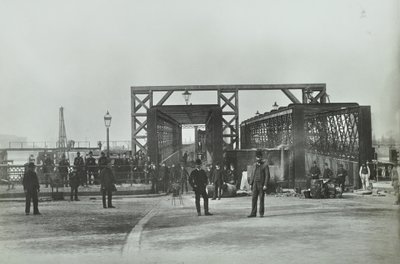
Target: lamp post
{"type": "Point", "coordinates": [107, 123]}
{"type": "Point", "coordinates": [186, 95]}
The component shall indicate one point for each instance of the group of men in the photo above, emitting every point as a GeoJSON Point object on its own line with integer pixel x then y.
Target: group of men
{"type": "Point", "coordinates": [364, 173]}
{"type": "Point", "coordinates": [340, 178]}
{"type": "Point", "coordinates": [32, 187]}
{"type": "Point", "coordinates": [258, 181]}
{"type": "Point", "coordinates": [168, 179]}
{"type": "Point", "coordinates": [220, 177]}
{"type": "Point", "coordinates": [163, 178]}
{"type": "Point", "coordinates": [88, 168]}
{"type": "Point", "coordinates": [84, 170]}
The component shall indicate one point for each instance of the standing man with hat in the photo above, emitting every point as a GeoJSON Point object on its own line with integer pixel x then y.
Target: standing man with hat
{"type": "Point", "coordinates": [48, 169]}
{"type": "Point", "coordinates": [79, 164]}
{"type": "Point", "coordinates": [63, 168]}
{"type": "Point", "coordinates": [341, 176]}
{"type": "Point", "coordinates": [31, 189]}
{"type": "Point", "coordinates": [107, 181]}
{"type": "Point", "coordinates": [198, 180]}
{"type": "Point", "coordinates": [91, 169]}
{"type": "Point", "coordinates": [218, 181]}
{"type": "Point", "coordinates": [258, 184]}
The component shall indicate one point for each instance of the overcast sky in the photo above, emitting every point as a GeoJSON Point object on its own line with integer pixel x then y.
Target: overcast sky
{"type": "Point", "coordinates": [85, 55]}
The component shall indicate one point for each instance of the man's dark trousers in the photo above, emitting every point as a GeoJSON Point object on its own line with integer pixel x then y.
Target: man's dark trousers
{"type": "Point", "coordinates": [205, 199]}
{"type": "Point", "coordinates": [217, 190]}
{"type": "Point", "coordinates": [184, 184]}
{"type": "Point", "coordinates": [257, 192]}
{"type": "Point", "coordinates": [109, 197]}
{"type": "Point", "coordinates": [74, 193]}
{"type": "Point", "coordinates": [31, 195]}
{"type": "Point", "coordinates": [154, 186]}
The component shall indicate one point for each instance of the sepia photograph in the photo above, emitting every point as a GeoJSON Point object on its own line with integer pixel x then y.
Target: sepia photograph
{"type": "Point", "coordinates": [215, 131]}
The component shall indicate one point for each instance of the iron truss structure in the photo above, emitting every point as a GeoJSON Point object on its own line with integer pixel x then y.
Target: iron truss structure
{"type": "Point", "coordinates": [270, 131]}
{"type": "Point", "coordinates": [142, 99]}
{"type": "Point", "coordinates": [334, 133]}
{"type": "Point", "coordinates": [164, 134]}
{"type": "Point", "coordinates": [165, 138]}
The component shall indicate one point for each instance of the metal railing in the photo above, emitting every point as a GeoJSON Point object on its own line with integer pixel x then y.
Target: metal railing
{"type": "Point", "coordinates": [22, 145]}
{"type": "Point", "coordinates": [13, 174]}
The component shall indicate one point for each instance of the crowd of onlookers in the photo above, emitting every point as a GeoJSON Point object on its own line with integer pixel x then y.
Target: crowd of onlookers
{"type": "Point", "coordinates": [86, 169]}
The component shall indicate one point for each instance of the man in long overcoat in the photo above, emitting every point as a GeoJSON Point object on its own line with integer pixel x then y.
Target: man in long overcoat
{"type": "Point", "coordinates": [31, 189]}
{"type": "Point", "coordinates": [218, 181]}
{"type": "Point", "coordinates": [107, 181]}
{"type": "Point", "coordinates": [198, 180]}
{"type": "Point", "coordinates": [258, 183]}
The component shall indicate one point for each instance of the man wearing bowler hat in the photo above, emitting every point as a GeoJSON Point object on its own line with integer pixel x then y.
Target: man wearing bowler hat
{"type": "Point", "coordinates": [31, 189]}
{"type": "Point", "coordinates": [198, 180]}
{"type": "Point", "coordinates": [258, 183]}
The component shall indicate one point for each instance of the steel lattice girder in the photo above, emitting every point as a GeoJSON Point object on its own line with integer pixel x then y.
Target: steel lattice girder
{"type": "Point", "coordinates": [339, 130]}
{"type": "Point", "coordinates": [339, 133]}
{"type": "Point", "coordinates": [227, 98]}
{"type": "Point", "coordinates": [165, 129]}
{"type": "Point", "coordinates": [164, 135]}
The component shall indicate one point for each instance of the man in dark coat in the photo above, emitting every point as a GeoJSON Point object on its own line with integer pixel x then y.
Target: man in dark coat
{"type": "Point", "coordinates": [218, 181]}
{"type": "Point", "coordinates": [118, 167]}
{"type": "Point", "coordinates": [80, 168]}
{"type": "Point", "coordinates": [209, 173]}
{"type": "Point", "coordinates": [102, 162]}
{"type": "Point", "coordinates": [163, 177]}
{"type": "Point", "coordinates": [315, 172]}
{"type": "Point", "coordinates": [91, 169]}
{"type": "Point", "coordinates": [258, 183]}
{"type": "Point", "coordinates": [185, 157]}
{"type": "Point", "coordinates": [74, 182]}
{"type": "Point", "coordinates": [107, 181]}
{"type": "Point", "coordinates": [126, 165]}
{"type": "Point", "coordinates": [183, 178]}
{"type": "Point", "coordinates": [152, 175]}
{"type": "Point", "coordinates": [341, 176]}
{"type": "Point", "coordinates": [63, 167]}
{"type": "Point", "coordinates": [48, 169]}
{"type": "Point", "coordinates": [198, 181]}
{"type": "Point", "coordinates": [31, 189]}
{"type": "Point", "coordinates": [328, 173]}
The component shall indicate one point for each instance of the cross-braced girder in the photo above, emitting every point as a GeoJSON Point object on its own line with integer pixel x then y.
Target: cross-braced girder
{"type": "Point", "coordinates": [270, 132]}
{"type": "Point", "coordinates": [228, 100]}
{"type": "Point", "coordinates": [334, 133]}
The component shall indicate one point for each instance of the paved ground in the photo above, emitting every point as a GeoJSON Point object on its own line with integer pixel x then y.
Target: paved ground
{"type": "Point", "coordinates": [355, 229]}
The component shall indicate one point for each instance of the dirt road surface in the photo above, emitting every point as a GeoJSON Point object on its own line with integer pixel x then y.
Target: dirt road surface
{"type": "Point", "coordinates": [355, 229]}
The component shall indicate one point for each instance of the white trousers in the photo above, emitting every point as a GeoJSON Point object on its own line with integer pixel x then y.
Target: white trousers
{"type": "Point", "coordinates": [364, 181]}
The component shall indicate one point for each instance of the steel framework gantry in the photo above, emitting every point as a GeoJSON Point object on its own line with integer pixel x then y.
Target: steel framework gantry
{"type": "Point", "coordinates": [142, 99]}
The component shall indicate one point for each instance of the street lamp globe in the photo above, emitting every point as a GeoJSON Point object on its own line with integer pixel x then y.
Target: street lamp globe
{"type": "Point", "coordinates": [107, 120]}
{"type": "Point", "coordinates": [186, 95]}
